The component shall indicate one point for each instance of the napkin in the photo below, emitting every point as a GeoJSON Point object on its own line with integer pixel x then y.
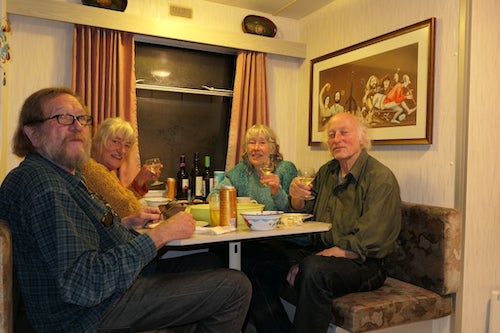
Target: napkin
{"type": "Point", "coordinates": [214, 230]}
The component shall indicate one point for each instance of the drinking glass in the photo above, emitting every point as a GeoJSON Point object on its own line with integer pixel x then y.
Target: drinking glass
{"type": "Point", "coordinates": [154, 165]}
{"type": "Point", "coordinates": [268, 167]}
{"type": "Point", "coordinates": [214, 207]}
{"type": "Point", "coordinates": [306, 177]}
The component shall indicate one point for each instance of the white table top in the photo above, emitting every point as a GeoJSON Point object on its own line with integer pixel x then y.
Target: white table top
{"type": "Point", "coordinates": [239, 235]}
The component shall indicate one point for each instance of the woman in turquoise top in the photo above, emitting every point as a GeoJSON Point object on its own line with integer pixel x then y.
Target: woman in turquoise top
{"type": "Point", "coordinates": [247, 177]}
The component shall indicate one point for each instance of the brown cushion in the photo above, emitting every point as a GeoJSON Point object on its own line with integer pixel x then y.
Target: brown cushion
{"type": "Point", "coordinates": [428, 252]}
{"type": "Point", "coordinates": [395, 303]}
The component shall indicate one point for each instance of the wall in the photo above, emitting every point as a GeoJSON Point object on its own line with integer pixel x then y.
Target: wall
{"type": "Point", "coordinates": [482, 214]}
{"type": "Point", "coordinates": [41, 57]}
{"type": "Point", "coordinates": [46, 47]}
{"type": "Point", "coordinates": [426, 173]}
{"type": "Point", "coordinates": [41, 52]}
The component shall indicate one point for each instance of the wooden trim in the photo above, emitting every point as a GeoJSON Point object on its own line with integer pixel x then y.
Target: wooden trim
{"type": "Point", "coordinates": [149, 26]}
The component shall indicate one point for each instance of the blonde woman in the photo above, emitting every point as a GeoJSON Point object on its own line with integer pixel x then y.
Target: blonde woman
{"type": "Point", "coordinates": [271, 190]}
{"type": "Point", "coordinates": [111, 145]}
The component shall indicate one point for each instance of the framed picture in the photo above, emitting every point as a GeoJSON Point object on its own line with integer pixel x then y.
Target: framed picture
{"type": "Point", "coordinates": [387, 80]}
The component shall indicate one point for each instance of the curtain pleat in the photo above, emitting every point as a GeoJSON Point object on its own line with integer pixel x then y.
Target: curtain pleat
{"type": "Point", "coordinates": [250, 101]}
{"type": "Point", "coordinates": [104, 77]}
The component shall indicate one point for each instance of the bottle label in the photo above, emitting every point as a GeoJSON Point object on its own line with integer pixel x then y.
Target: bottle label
{"type": "Point", "coordinates": [199, 186]}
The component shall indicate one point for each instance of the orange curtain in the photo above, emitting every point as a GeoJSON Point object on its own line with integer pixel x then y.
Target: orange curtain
{"type": "Point", "coordinates": [250, 101]}
{"type": "Point", "coordinates": [104, 76]}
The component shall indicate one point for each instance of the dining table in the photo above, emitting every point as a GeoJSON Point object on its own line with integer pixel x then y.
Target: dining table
{"type": "Point", "coordinates": [234, 238]}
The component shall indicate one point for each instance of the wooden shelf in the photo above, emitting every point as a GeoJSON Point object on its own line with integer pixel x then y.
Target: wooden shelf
{"type": "Point", "coordinates": [149, 26]}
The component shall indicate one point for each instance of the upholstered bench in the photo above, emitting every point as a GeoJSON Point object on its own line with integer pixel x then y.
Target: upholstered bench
{"type": "Point", "coordinates": [424, 274]}
{"type": "Point", "coordinates": [6, 306]}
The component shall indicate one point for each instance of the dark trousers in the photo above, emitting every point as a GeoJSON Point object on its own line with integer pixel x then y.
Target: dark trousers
{"type": "Point", "coordinates": [179, 293]}
{"type": "Point", "coordinates": [320, 279]}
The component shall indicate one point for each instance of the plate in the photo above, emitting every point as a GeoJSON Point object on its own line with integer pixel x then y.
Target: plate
{"type": "Point", "coordinates": [291, 219]}
{"type": "Point", "coordinates": [201, 223]}
{"type": "Point", "coordinates": [198, 224]}
{"type": "Point", "coordinates": [296, 215]}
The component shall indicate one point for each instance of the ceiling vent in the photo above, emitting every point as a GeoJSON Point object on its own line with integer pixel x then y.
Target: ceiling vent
{"type": "Point", "coordinates": [181, 11]}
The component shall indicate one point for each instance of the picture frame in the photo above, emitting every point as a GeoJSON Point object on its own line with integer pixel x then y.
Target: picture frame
{"type": "Point", "coordinates": [388, 80]}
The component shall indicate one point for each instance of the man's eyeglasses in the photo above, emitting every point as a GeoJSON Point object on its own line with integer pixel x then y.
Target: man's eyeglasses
{"type": "Point", "coordinates": [69, 119]}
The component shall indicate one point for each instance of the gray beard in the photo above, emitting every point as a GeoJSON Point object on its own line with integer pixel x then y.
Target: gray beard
{"type": "Point", "coordinates": [58, 155]}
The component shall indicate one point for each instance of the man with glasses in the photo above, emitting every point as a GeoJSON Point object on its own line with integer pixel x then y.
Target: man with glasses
{"type": "Point", "coordinates": [80, 267]}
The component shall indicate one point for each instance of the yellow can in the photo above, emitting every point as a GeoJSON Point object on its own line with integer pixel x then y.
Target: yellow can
{"type": "Point", "coordinates": [171, 188]}
{"type": "Point", "coordinates": [228, 208]}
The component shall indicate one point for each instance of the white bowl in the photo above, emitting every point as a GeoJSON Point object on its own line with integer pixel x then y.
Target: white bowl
{"type": "Point", "coordinates": [155, 194]}
{"type": "Point", "coordinates": [265, 220]}
{"type": "Point", "coordinates": [157, 201]}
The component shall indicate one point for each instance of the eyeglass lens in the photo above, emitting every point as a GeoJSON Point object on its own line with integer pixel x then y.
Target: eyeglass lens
{"type": "Point", "coordinates": [68, 119]}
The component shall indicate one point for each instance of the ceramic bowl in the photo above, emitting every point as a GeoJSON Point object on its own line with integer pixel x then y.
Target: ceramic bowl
{"type": "Point", "coordinates": [265, 220]}
{"type": "Point", "coordinates": [202, 212]}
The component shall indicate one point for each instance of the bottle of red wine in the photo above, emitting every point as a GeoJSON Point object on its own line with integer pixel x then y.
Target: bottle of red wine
{"type": "Point", "coordinates": [197, 178]}
{"type": "Point", "coordinates": [208, 178]}
{"type": "Point", "coordinates": [182, 179]}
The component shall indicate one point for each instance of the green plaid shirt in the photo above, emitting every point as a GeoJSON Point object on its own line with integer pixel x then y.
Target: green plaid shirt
{"type": "Point", "coordinates": [71, 262]}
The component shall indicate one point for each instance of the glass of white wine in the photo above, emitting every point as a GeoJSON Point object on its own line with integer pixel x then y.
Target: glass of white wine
{"type": "Point", "coordinates": [268, 167]}
{"type": "Point", "coordinates": [154, 165]}
{"type": "Point", "coordinates": [306, 177]}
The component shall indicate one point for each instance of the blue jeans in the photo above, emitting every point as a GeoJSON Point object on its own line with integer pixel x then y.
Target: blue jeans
{"type": "Point", "coordinates": [182, 292]}
{"type": "Point", "coordinates": [320, 279]}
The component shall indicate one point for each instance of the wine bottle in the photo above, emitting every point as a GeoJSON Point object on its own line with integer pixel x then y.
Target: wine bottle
{"type": "Point", "coordinates": [208, 178]}
{"type": "Point", "coordinates": [182, 179]}
{"type": "Point", "coordinates": [197, 178]}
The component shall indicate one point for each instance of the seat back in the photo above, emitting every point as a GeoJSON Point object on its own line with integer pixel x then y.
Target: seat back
{"type": "Point", "coordinates": [429, 248]}
{"type": "Point", "coordinates": [6, 301]}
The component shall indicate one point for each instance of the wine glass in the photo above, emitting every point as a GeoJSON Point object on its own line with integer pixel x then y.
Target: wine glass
{"type": "Point", "coordinates": [306, 177]}
{"type": "Point", "coordinates": [268, 167]}
{"type": "Point", "coordinates": [154, 165]}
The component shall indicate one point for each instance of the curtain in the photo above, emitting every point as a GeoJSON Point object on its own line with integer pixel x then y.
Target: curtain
{"type": "Point", "coordinates": [250, 101]}
{"type": "Point", "coordinates": [104, 77]}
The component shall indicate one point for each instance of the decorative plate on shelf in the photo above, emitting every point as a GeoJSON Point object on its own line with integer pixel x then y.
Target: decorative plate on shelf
{"type": "Point", "coordinates": [259, 25]}
{"type": "Point", "coordinates": [107, 4]}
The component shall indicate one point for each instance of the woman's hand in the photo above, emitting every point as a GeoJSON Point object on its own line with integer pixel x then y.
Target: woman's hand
{"type": "Point", "coordinates": [141, 218]}
{"type": "Point", "coordinates": [271, 180]}
{"type": "Point", "coordinates": [145, 174]}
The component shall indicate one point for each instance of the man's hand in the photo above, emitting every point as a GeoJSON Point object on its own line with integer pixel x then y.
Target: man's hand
{"type": "Point", "coordinates": [297, 192]}
{"type": "Point", "coordinates": [292, 274]}
{"type": "Point", "coordinates": [142, 218]}
{"type": "Point", "coordinates": [179, 226]}
{"type": "Point", "coordinates": [337, 252]}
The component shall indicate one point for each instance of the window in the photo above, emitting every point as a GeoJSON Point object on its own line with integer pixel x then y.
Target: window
{"type": "Point", "coordinates": [176, 115]}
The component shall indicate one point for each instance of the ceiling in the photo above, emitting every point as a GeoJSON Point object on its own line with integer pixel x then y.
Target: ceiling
{"type": "Point", "coordinates": [294, 9]}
